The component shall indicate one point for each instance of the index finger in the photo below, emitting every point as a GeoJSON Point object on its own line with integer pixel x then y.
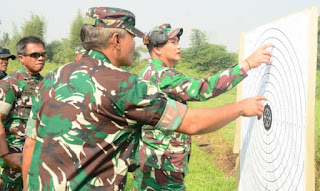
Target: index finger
{"type": "Point", "coordinates": [267, 46]}
{"type": "Point", "coordinates": [261, 98]}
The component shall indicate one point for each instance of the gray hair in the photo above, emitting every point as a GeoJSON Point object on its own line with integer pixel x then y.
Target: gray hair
{"type": "Point", "coordinates": [96, 38]}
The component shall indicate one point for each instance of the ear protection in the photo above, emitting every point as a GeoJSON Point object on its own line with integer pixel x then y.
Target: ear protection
{"type": "Point", "coordinates": [157, 37]}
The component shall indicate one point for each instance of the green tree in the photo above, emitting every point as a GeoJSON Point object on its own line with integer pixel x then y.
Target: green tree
{"type": "Point", "coordinates": [138, 52]}
{"type": "Point", "coordinates": [75, 31]}
{"type": "Point", "coordinates": [198, 39]}
{"type": "Point", "coordinates": [16, 36]}
{"type": "Point", "coordinates": [60, 52]}
{"type": "Point", "coordinates": [139, 61]}
{"type": "Point", "coordinates": [52, 48]}
{"type": "Point", "coordinates": [5, 40]}
{"type": "Point", "coordinates": [36, 26]}
{"type": "Point", "coordinates": [205, 57]}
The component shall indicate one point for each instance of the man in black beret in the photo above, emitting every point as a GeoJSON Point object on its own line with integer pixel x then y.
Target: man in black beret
{"type": "Point", "coordinates": [4, 61]}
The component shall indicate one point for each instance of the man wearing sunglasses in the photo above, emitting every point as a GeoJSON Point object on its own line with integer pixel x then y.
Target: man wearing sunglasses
{"type": "Point", "coordinates": [16, 92]}
{"type": "Point", "coordinates": [4, 61]}
{"type": "Point", "coordinates": [164, 158]}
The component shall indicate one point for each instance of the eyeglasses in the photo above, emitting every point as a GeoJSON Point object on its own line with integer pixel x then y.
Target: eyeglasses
{"type": "Point", "coordinates": [36, 54]}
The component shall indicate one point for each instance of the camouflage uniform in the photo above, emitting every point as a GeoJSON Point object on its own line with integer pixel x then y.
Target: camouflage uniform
{"type": "Point", "coordinates": [82, 118]}
{"type": "Point", "coordinates": [164, 158]}
{"type": "Point", "coordinates": [79, 50]}
{"type": "Point", "coordinates": [16, 91]}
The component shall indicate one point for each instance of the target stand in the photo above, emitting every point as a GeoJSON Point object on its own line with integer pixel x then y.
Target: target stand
{"type": "Point", "coordinates": [277, 151]}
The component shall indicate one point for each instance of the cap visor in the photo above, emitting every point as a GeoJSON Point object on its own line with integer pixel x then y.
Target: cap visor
{"type": "Point", "coordinates": [8, 56]}
{"type": "Point", "coordinates": [138, 33]}
{"type": "Point", "coordinates": [175, 32]}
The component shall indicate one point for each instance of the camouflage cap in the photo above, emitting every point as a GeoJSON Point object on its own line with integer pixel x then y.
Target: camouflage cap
{"type": "Point", "coordinates": [5, 53]}
{"type": "Point", "coordinates": [109, 17]}
{"type": "Point", "coordinates": [159, 35]}
{"type": "Point", "coordinates": [79, 50]}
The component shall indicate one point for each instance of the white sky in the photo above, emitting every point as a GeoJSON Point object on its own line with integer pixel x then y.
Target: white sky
{"type": "Point", "coordinates": [221, 20]}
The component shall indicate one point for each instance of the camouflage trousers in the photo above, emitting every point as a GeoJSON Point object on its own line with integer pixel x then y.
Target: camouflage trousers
{"type": "Point", "coordinates": [10, 180]}
{"type": "Point", "coordinates": [157, 179]}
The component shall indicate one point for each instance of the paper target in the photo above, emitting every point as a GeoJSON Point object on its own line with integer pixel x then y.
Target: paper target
{"type": "Point", "coordinates": [272, 155]}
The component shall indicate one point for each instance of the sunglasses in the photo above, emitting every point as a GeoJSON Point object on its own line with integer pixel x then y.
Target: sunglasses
{"type": "Point", "coordinates": [36, 54]}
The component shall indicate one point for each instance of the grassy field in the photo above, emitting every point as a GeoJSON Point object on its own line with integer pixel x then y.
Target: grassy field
{"type": "Point", "coordinates": [212, 162]}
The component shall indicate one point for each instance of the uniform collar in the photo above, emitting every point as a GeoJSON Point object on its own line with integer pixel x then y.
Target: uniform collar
{"type": "Point", "coordinates": [27, 75]}
{"type": "Point", "coordinates": [99, 56]}
{"type": "Point", "coordinates": [156, 62]}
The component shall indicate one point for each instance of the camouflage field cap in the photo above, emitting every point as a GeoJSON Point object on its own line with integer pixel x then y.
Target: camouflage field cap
{"type": "Point", "coordinates": [159, 35]}
{"type": "Point", "coordinates": [79, 50]}
{"type": "Point", "coordinates": [5, 53]}
{"type": "Point", "coordinates": [109, 17]}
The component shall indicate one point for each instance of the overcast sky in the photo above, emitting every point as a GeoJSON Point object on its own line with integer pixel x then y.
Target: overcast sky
{"type": "Point", "coordinates": [222, 20]}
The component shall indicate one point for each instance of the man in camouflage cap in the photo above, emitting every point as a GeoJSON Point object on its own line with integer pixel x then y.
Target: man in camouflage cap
{"type": "Point", "coordinates": [16, 91]}
{"type": "Point", "coordinates": [79, 51]}
{"type": "Point", "coordinates": [164, 158]}
{"type": "Point", "coordinates": [85, 112]}
{"type": "Point", "coordinates": [4, 61]}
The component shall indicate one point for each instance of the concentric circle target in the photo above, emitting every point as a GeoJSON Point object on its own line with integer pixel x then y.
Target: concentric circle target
{"type": "Point", "coordinates": [272, 149]}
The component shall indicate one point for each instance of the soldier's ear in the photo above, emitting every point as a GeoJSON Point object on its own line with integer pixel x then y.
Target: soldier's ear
{"type": "Point", "coordinates": [21, 58]}
{"type": "Point", "coordinates": [115, 40]}
{"type": "Point", "coordinates": [157, 50]}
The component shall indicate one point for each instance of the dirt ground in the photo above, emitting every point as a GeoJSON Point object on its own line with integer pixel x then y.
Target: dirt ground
{"type": "Point", "coordinates": [220, 150]}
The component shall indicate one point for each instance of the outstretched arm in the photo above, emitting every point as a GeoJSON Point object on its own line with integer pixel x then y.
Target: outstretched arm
{"type": "Point", "coordinates": [200, 121]}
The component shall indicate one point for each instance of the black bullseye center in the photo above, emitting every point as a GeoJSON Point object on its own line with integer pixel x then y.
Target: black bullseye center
{"type": "Point", "coordinates": [267, 117]}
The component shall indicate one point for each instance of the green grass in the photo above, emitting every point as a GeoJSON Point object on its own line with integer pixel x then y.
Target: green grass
{"type": "Point", "coordinates": [204, 175]}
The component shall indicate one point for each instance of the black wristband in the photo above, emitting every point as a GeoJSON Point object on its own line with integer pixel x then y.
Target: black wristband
{"type": "Point", "coordinates": [4, 154]}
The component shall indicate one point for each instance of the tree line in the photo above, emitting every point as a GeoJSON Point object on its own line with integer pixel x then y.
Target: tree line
{"type": "Point", "coordinates": [58, 51]}
{"type": "Point", "coordinates": [199, 57]}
